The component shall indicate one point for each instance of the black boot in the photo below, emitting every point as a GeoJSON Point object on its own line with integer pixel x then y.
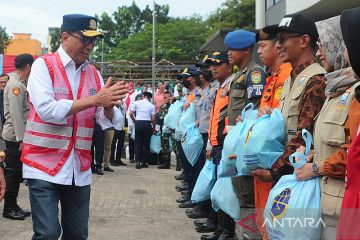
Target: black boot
{"type": "Point", "coordinates": [137, 165]}
{"type": "Point", "coordinates": [164, 166]}
{"type": "Point", "coordinates": [121, 163]}
{"type": "Point", "coordinates": [22, 211]}
{"type": "Point", "coordinates": [13, 214]}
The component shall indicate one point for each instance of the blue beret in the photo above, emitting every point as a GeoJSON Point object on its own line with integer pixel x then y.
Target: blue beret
{"type": "Point", "coordinates": [86, 25]}
{"type": "Point", "coordinates": [239, 39]}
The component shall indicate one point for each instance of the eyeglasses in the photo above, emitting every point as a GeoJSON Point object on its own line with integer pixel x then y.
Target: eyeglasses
{"type": "Point", "coordinates": [86, 40]}
{"type": "Point", "coordinates": [281, 38]}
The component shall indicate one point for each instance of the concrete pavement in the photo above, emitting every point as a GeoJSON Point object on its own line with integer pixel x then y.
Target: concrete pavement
{"type": "Point", "coordinates": [126, 204]}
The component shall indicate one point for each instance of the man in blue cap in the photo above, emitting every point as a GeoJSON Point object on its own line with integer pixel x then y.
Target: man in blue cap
{"type": "Point", "coordinates": [209, 86]}
{"type": "Point", "coordinates": [65, 94]}
{"type": "Point", "coordinates": [222, 71]}
{"type": "Point", "coordinates": [191, 80]}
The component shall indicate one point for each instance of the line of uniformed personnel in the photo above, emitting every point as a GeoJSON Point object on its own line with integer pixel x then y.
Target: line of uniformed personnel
{"type": "Point", "coordinates": [319, 98]}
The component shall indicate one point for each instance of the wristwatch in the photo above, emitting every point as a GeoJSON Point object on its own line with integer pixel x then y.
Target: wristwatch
{"type": "Point", "coordinates": [315, 167]}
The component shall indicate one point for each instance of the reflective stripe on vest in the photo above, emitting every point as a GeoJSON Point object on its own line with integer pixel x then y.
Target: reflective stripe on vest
{"type": "Point", "coordinates": [46, 142]}
{"type": "Point", "coordinates": [83, 144]}
{"type": "Point", "coordinates": [49, 129]}
{"type": "Point", "coordinates": [84, 132]}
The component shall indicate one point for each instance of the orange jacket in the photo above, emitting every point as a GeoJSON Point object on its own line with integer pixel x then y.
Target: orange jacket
{"type": "Point", "coordinates": [219, 117]}
{"type": "Point", "coordinates": [274, 86]}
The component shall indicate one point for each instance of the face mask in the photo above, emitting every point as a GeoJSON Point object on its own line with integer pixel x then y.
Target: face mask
{"type": "Point", "coordinates": [198, 81]}
{"type": "Point", "coordinates": [186, 84]}
{"type": "Point", "coordinates": [357, 93]}
{"type": "Point", "coordinates": [207, 75]}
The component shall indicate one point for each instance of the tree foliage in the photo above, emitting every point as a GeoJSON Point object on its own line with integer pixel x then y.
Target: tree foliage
{"type": "Point", "coordinates": [233, 14]}
{"type": "Point", "coordinates": [4, 39]}
{"type": "Point", "coordinates": [55, 40]}
{"type": "Point", "coordinates": [176, 40]}
{"type": "Point", "coordinates": [128, 31]}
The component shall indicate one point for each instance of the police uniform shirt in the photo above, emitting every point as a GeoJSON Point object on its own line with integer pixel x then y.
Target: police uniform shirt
{"type": "Point", "coordinates": [203, 108]}
{"type": "Point", "coordinates": [2, 142]}
{"type": "Point", "coordinates": [143, 110]}
{"type": "Point", "coordinates": [246, 87]}
{"type": "Point", "coordinates": [16, 109]}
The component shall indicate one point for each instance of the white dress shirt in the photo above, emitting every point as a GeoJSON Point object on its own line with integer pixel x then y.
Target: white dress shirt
{"type": "Point", "coordinates": [143, 110]}
{"type": "Point", "coordinates": [42, 96]}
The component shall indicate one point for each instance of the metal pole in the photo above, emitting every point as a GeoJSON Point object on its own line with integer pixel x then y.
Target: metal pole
{"type": "Point", "coordinates": [102, 50]}
{"type": "Point", "coordinates": [153, 52]}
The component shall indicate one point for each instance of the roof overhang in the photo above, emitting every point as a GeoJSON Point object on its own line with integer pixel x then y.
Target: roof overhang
{"type": "Point", "coordinates": [329, 8]}
{"type": "Point", "coordinates": [216, 41]}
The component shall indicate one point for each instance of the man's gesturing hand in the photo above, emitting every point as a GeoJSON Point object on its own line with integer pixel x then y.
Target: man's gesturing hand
{"type": "Point", "coordinates": [109, 95]}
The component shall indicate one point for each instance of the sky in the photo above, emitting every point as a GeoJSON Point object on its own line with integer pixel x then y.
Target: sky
{"type": "Point", "coordinates": [35, 16]}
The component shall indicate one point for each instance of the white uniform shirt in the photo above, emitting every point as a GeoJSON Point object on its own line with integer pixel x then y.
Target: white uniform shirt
{"type": "Point", "coordinates": [41, 95]}
{"type": "Point", "coordinates": [143, 110]}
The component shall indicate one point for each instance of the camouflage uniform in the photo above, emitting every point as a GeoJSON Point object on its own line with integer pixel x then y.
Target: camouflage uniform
{"type": "Point", "coordinates": [165, 136]}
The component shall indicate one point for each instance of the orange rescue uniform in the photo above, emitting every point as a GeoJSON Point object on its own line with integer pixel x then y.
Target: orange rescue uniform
{"type": "Point", "coordinates": [271, 97]}
{"type": "Point", "coordinates": [219, 115]}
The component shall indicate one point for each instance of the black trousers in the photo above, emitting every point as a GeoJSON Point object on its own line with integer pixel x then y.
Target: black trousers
{"type": "Point", "coordinates": [131, 148]}
{"type": "Point", "coordinates": [13, 173]}
{"type": "Point", "coordinates": [97, 149]}
{"type": "Point", "coordinates": [187, 168]}
{"type": "Point", "coordinates": [216, 157]}
{"type": "Point", "coordinates": [117, 145]}
{"type": "Point", "coordinates": [196, 169]}
{"type": "Point", "coordinates": [143, 132]}
{"type": "Point", "coordinates": [225, 223]}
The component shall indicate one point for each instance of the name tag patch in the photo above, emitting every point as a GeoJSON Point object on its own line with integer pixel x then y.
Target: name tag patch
{"type": "Point", "coordinates": [61, 90]}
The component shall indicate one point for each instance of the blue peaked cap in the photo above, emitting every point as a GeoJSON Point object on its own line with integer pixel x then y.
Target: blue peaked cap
{"type": "Point", "coordinates": [240, 39]}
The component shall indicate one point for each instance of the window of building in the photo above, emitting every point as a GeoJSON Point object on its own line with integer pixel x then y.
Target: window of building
{"type": "Point", "coordinates": [270, 3]}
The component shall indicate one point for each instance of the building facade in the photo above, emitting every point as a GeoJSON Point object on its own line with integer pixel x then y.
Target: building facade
{"type": "Point", "coordinates": [23, 43]}
{"type": "Point", "coordinates": [270, 12]}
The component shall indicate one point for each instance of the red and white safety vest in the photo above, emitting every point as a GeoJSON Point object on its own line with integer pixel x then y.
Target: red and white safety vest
{"type": "Point", "coordinates": [46, 145]}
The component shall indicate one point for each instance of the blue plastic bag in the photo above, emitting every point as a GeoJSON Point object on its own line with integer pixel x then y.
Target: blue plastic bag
{"type": "Point", "coordinates": [192, 144]}
{"type": "Point", "coordinates": [293, 207]}
{"type": "Point", "coordinates": [227, 167]}
{"type": "Point", "coordinates": [186, 120]}
{"type": "Point", "coordinates": [223, 197]}
{"type": "Point", "coordinates": [204, 183]}
{"type": "Point", "coordinates": [155, 144]}
{"type": "Point", "coordinates": [249, 119]}
{"type": "Point", "coordinates": [264, 142]}
{"type": "Point", "coordinates": [171, 119]}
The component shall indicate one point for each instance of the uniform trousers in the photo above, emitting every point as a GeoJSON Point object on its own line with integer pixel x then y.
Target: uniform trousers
{"type": "Point", "coordinates": [13, 173]}
{"type": "Point", "coordinates": [165, 148]}
{"type": "Point", "coordinates": [196, 169]}
{"type": "Point", "coordinates": [131, 147]}
{"type": "Point", "coordinates": [109, 135]}
{"type": "Point", "coordinates": [117, 145]}
{"type": "Point", "coordinates": [186, 166]}
{"type": "Point", "coordinates": [143, 133]}
{"type": "Point", "coordinates": [97, 149]}
{"type": "Point", "coordinates": [225, 223]}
